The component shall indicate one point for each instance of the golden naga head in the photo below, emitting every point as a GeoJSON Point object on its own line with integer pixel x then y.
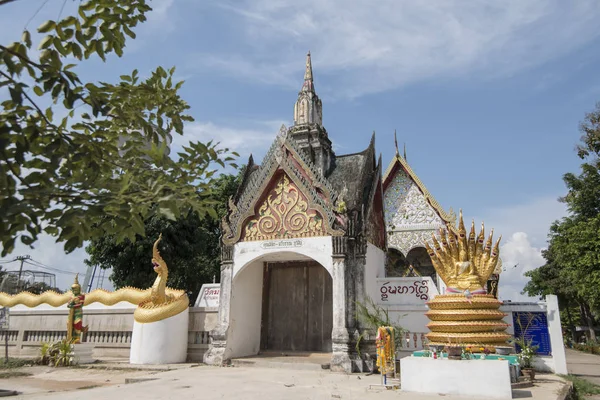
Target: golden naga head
{"type": "Point", "coordinates": [160, 266]}
{"type": "Point", "coordinates": [464, 263]}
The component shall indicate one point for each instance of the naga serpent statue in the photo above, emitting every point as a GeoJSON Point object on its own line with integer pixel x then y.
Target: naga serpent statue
{"type": "Point", "coordinates": [466, 314]}
{"type": "Point", "coordinates": [154, 304]}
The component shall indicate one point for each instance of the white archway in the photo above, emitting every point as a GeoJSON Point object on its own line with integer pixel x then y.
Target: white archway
{"type": "Point", "coordinates": [246, 303]}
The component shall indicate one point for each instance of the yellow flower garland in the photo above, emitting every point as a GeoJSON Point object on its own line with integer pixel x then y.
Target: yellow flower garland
{"type": "Point", "coordinates": [385, 349]}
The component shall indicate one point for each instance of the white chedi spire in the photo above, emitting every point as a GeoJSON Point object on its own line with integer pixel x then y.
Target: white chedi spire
{"type": "Point", "coordinates": [308, 108]}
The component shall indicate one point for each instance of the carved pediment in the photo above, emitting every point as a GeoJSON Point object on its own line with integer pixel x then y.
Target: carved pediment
{"type": "Point", "coordinates": [283, 156]}
{"type": "Point", "coordinates": [284, 213]}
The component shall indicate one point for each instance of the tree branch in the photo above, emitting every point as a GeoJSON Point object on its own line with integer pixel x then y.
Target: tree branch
{"type": "Point", "coordinates": [3, 2]}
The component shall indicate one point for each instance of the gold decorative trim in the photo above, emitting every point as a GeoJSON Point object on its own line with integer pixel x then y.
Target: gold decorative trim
{"type": "Point", "coordinates": [283, 214]}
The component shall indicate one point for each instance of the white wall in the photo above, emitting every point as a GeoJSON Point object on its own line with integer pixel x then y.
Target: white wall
{"type": "Point", "coordinates": [319, 249]}
{"type": "Point", "coordinates": [246, 309]}
{"type": "Point", "coordinates": [374, 269]}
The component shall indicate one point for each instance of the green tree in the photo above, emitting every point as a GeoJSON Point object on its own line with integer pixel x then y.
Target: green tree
{"type": "Point", "coordinates": [572, 269]}
{"type": "Point", "coordinates": [190, 246]}
{"type": "Point", "coordinates": [75, 152]}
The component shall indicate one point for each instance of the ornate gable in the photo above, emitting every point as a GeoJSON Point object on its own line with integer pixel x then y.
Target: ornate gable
{"type": "Point", "coordinates": [283, 213]}
{"type": "Point", "coordinates": [411, 212]}
{"type": "Point", "coordinates": [303, 181]}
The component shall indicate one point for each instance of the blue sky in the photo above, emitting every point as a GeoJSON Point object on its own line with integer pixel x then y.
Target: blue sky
{"type": "Point", "coordinates": [486, 95]}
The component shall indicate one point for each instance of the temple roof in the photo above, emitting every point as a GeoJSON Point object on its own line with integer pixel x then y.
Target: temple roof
{"type": "Point", "coordinates": [400, 162]}
{"type": "Point", "coordinates": [352, 175]}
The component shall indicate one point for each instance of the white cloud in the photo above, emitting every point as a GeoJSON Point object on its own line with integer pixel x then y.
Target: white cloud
{"type": "Point", "coordinates": [518, 257]}
{"type": "Point", "coordinates": [533, 217]}
{"type": "Point", "coordinates": [51, 254]}
{"type": "Point", "coordinates": [255, 137]}
{"type": "Point", "coordinates": [524, 228]}
{"type": "Point", "coordinates": [392, 43]}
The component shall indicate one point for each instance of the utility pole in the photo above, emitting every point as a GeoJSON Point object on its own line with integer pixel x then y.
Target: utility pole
{"type": "Point", "coordinates": [22, 259]}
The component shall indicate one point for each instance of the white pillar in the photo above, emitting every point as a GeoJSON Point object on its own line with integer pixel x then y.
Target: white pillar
{"type": "Point", "coordinates": [160, 342]}
{"type": "Point", "coordinates": [556, 336]}
{"type": "Point", "coordinates": [217, 352]}
{"type": "Point", "coordinates": [340, 359]}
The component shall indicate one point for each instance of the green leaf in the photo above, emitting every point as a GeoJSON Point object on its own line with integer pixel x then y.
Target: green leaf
{"type": "Point", "coordinates": [26, 38]}
{"type": "Point", "coordinates": [167, 213]}
{"type": "Point", "coordinates": [45, 42]}
{"type": "Point", "coordinates": [47, 26]}
{"type": "Point", "coordinates": [16, 95]}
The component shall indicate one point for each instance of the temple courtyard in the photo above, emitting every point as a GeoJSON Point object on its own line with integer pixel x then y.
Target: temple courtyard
{"type": "Point", "coordinates": [290, 378]}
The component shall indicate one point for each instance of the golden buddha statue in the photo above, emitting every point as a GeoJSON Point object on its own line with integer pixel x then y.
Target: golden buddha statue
{"type": "Point", "coordinates": [464, 264]}
{"type": "Point", "coordinates": [466, 314]}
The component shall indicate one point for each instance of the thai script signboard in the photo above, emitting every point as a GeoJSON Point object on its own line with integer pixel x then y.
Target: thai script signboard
{"type": "Point", "coordinates": [409, 291]}
{"type": "Point", "coordinates": [533, 325]}
{"type": "Point", "coordinates": [209, 295]}
{"type": "Point", "coordinates": [282, 244]}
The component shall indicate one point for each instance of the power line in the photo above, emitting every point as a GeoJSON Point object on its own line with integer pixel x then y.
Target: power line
{"type": "Point", "coordinates": [57, 270]}
{"type": "Point", "coordinates": [34, 14]}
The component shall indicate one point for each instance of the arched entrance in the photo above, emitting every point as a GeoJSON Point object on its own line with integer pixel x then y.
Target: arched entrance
{"type": "Point", "coordinates": [280, 302]}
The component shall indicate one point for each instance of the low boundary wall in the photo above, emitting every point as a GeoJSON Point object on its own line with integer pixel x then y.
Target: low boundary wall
{"type": "Point", "coordinates": [109, 329]}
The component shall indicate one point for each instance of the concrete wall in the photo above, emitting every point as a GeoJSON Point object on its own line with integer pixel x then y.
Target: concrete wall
{"type": "Point", "coordinates": [374, 269]}
{"type": "Point", "coordinates": [246, 307]}
{"type": "Point", "coordinates": [110, 329]}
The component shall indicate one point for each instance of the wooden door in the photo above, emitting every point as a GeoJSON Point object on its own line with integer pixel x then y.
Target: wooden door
{"type": "Point", "coordinates": [297, 307]}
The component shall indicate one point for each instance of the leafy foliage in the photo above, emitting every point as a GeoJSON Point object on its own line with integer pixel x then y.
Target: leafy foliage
{"type": "Point", "coordinates": [373, 316]}
{"type": "Point", "coordinates": [190, 246]}
{"type": "Point", "coordinates": [56, 354]}
{"type": "Point", "coordinates": [583, 387]}
{"type": "Point", "coordinates": [79, 160]}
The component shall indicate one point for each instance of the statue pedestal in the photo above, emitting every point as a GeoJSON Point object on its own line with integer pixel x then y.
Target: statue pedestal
{"type": "Point", "coordinates": [488, 379]}
{"type": "Point", "coordinates": [82, 353]}
{"type": "Point", "coordinates": [161, 342]}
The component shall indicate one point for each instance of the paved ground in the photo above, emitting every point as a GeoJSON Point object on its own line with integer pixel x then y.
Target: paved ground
{"type": "Point", "coordinates": [584, 365]}
{"type": "Point", "coordinates": [204, 382]}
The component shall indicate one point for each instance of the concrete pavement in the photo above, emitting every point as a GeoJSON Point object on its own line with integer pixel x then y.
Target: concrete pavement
{"type": "Point", "coordinates": [584, 365]}
{"type": "Point", "coordinates": [255, 383]}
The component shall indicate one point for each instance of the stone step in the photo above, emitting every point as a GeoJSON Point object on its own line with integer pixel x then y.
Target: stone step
{"type": "Point", "coordinates": [278, 364]}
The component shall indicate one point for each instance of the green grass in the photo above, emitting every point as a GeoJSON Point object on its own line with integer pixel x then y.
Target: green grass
{"type": "Point", "coordinates": [582, 386]}
{"type": "Point", "coordinates": [14, 363]}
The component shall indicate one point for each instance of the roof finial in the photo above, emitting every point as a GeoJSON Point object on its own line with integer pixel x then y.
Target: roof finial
{"type": "Point", "coordinates": [396, 143]}
{"type": "Point", "coordinates": [308, 75]}
{"type": "Point", "coordinates": [405, 151]}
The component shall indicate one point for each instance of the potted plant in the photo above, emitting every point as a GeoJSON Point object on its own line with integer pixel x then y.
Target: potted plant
{"type": "Point", "coordinates": [526, 357]}
{"type": "Point", "coordinates": [528, 349]}
{"type": "Point", "coordinates": [372, 316]}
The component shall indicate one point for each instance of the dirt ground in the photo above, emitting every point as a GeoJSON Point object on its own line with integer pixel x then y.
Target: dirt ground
{"type": "Point", "coordinates": [37, 380]}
